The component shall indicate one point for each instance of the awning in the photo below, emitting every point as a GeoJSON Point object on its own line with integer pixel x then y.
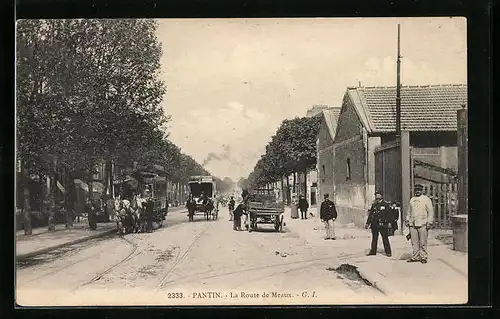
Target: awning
{"type": "Point", "coordinates": [96, 186]}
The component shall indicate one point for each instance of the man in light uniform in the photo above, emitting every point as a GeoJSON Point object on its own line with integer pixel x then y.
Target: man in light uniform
{"type": "Point", "coordinates": [419, 219]}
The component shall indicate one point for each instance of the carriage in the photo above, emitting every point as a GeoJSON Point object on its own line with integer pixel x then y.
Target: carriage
{"type": "Point", "coordinates": [203, 190]}
{"type": "Point", "coordinates": [264, 208]}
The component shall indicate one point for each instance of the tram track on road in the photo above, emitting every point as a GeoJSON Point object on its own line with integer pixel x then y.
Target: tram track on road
{"type": "Point", "coordinates": [209, 274]}
{"type": "Point", "coordinates": [133, 253]}
{"type": "Point", "coordinates": [181, 256]}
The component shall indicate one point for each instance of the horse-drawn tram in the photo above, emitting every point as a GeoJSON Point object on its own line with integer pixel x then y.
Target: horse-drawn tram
{"type": "Point", "coordinates": [143, 195]}
{"type": "Point", "coordinates": [264, 208]}
{"type": "Point", "coordinates": [203, 191]}
{"type": "Point", "coordinates": [156, 186]}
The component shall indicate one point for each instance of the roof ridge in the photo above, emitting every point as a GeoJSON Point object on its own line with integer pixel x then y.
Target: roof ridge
{"type": "Point", "coordinates": [406, 86]}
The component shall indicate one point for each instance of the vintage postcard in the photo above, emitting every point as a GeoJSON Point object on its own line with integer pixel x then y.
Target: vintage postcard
{"type": "Point", "coordinates": [179, 162]}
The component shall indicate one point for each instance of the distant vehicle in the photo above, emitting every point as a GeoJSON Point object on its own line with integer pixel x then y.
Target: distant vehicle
{"type": "Point", "coordinates": [265, 208]}
{"type": "Point", "coordinates": [204, 185]}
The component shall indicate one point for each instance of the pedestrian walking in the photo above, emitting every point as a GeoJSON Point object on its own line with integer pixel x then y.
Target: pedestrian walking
{"type": "Point", "coordinates": [91, 214]}
{"type": "Point", "coordinates": [379, 218]}
{"type": "Point", "coordinates": [328, 214]}
{"type": "Point", "coordinates": [303, 206]}
{"type": "Point", "coordinates": [239, 211]}
{"type": "Point", "coordinates": [231, 208]}
{"type": "Point", "coordinates": [294, 209]}
{"type": "Point", "coordinates": [419, 219]}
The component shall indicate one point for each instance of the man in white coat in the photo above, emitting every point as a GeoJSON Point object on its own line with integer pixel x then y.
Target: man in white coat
{"type": "Point", "coordinates": [419, 219]}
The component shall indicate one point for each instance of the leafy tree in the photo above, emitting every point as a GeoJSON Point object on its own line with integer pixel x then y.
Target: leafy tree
{"type": "Point", "coordinates": [87, 90]}
{"type": "Point", "coordinates": [291, 150]}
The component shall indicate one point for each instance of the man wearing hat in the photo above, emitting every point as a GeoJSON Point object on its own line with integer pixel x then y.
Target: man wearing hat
{"type": "Point", "coordinates": [328, 214]}
{"type": "Point", "coordinates": [378, 221]}
{"type": "Point", "coordinates": [419, 219]}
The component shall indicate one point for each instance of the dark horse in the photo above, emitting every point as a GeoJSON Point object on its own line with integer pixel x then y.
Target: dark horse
{"type": "Point", "coordinates": [208, 207]}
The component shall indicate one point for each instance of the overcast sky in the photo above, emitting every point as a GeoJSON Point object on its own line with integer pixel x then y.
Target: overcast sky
{"type": "Point", "coordinates": [230, 82]}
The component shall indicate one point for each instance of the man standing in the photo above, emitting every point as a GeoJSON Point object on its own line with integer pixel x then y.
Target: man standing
{"type": "Point", "coordinates": [238, 212]}
{"type": "Point", "coordinates": [303, 206]}
{"type": "Point", "coordinates": [328, 214]}
{"type": "Point", "coordinates": [231, 208]}
{"type": "Point", "coordinates": [378, 220]}
{"type": "Point", "coordinates": [91, 214]}
{"type": "Point", "coordinates": [190, 205]}
{"type": "Point", "coordinates": [419, 219]}
{"type": "Point", "coordinates": [149, 210]}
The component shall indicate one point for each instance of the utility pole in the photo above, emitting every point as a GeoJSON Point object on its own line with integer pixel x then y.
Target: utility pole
{"type": "Point", "coordinates": [398, 88]}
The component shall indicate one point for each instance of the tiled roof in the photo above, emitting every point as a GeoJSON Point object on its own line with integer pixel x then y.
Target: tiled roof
{"type": "Point", "coordinates": [331, 116]}
{"type": "Point", "coordinates": [423, 108]}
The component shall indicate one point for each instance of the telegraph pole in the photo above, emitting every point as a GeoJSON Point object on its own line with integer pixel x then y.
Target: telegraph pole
{"type": "Point", "coordinates": [398, 88]}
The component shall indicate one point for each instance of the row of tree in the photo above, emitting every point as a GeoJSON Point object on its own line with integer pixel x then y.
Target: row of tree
{"type": "Point", "coordinates": [89, 90]}
{"type": "Point", "coordinates": [292, 150]}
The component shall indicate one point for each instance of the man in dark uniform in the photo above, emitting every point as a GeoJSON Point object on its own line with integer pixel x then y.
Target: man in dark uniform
{"type": "Point", "coordinates": [378, 220]}
{"type": "Point", "coordinates": [328, 214]}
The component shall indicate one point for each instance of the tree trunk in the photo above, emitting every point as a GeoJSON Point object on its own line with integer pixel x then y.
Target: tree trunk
{"type": "Point", "coordinates": [294, 182]}
{"type": "Point", "coordinates": [288, 190]}
{"type": "Point", "coordinates": [282, 190]}
{"type": "Point", "coordinates": [69, 200]}
{"type": "Point", "coordinates": [305, 185]}
{"type": "Point", "coordinates": [26, 203]}
{"type": "Point", "coordinates": [51, 203]}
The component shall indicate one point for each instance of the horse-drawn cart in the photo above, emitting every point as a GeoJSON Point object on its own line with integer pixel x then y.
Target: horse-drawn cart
{"type": "Point", "coordinates": [264, 208]}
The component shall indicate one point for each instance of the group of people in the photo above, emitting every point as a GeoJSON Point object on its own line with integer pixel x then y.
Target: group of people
{"type": "Point", "coordinates": [383, 220]}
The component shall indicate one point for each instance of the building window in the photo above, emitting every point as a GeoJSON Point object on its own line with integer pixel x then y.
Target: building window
{"type": "Point", "coordinates": [324, 173]}
{"type": "Point", "coordinates": [348, 167]}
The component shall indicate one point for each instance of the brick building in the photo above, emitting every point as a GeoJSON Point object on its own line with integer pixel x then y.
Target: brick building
{"type": "Point", "coordinates": [366, 125]}
{"type": "Point", "coordinates": [325, 155]}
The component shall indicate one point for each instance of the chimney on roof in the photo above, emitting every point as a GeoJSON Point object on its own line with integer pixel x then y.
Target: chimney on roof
{"type": "Point", "coordinates": [359, 84]}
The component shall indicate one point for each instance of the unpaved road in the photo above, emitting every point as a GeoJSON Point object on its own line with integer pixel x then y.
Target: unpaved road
{"type": "Point", "coordinates": [190, 263]}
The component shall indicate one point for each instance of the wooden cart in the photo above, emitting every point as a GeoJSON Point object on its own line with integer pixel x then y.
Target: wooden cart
{"type": "Point", "coordinates": [263, 208]}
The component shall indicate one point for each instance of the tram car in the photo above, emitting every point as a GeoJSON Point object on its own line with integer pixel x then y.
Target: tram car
{"type": "Point", "coordinates": [157, 187]}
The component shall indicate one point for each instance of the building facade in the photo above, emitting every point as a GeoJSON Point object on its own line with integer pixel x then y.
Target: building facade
{"type": "Point", "coordinates": [326, 135]}
{"type": "Point", "coordinates": [367, 123]}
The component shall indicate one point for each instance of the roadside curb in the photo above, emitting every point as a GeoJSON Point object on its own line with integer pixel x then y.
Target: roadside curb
{"type": "Point", "coordinates": [69, 243]}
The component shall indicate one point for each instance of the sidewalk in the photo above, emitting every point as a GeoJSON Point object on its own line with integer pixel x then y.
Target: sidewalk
{"type": "Point", "coordinates": [41, 241]}
{"type": "Point", "coordinates": [442, 280]}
